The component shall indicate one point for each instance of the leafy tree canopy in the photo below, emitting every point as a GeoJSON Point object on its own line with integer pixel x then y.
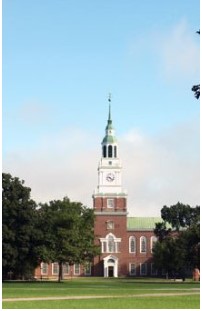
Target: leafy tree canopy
{"type": "Point", "coordinates": [68, 230]}
{"type": "Point", "coordinates": [18, 231]}
{"type": "Point", "coordinates": [178, 247]}
{"type": "Point", "coordinates": [180, 215]}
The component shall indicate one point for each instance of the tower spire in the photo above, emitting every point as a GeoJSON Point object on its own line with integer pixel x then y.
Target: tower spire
{"type": "Point", "coordinates": [109, 100]}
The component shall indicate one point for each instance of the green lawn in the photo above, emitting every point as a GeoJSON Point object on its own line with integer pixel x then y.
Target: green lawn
{"type": "Point", "coordinates": [123, 289]}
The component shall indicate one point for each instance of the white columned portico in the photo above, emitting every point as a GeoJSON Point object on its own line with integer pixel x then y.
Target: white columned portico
{"type": "Point", "coordinates": [110, 266]}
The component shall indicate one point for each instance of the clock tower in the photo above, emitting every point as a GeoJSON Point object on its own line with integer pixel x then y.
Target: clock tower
{"type": "Point", "coordinates": [110, 207]}
{"type": "Point", "coordinates": [109, 195]}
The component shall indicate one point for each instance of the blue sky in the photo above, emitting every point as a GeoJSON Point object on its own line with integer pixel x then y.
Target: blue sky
{"type": "Point", "coordinates": [61, 58]}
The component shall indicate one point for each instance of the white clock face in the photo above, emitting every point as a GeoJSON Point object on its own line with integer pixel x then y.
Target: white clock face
{"type": "Point", "coordinates": [110, 177]}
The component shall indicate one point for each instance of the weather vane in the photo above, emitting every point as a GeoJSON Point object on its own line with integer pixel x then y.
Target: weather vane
{"type": "Point", "coordinates": [109, 98]}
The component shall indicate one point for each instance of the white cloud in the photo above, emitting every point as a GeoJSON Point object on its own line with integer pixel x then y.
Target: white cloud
{"type": "Point", "coordinates": [174, 51]}
{"type": "Point", "coordinates": [162, 170]}
{"type": "Point", "coordinates": [157, 171]}
{"type": "Point", "coordinates": [33, 112]}
{"type": "Point", "coordinates": [178, 51]}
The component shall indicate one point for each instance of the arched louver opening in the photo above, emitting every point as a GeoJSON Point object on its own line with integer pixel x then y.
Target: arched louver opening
{"type": "Point", "coordinates": [110, 151]}
{"type": "Point", "coordinates": [104, 151]}
{"type": "Point", "coordinates": [115, 152]}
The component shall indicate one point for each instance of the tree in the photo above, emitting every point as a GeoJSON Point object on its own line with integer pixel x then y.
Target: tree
{"type": "Point", "coordinates": [196, 88]}
{"type": "Point", "coordinates": [18, 228]}
{"type": "Point", "coordinates": [161, 230]}
{"type": "Point", "coordinates": [178, 248]}
{"type": "Point", "coordinates": [190, 241]}
{"type": "Point", "coordinates": [68, 233]}
{"type": "Point", "coordinates": [169, 255]}
{"type": "Point", "coordinates": [180, 215]}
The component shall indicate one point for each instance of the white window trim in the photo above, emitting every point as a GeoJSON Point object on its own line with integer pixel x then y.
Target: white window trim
{"type": "Point", "coordinates": [152, 242]}
{"type": "Point", "coordinates": [130, 272]}
{"type": "Point", "coordinates": [132, 238]}
{"type": "Point", "coordinates": [66, 273]}
{"type": "Point", "coordinates": [141, 245]}
{"type": "Point", "coordinates": [76, 273]}
{"type": "Point", "coordinates": [116, 241]}
{"type": "Point", "coordinates": [110, 203]}
{"type": "Point", "coordinates": [108, 225]}
{"type": "Point", "coordinates": [44, 273]}
{"type": "Point", "coordinates": [53, 273]}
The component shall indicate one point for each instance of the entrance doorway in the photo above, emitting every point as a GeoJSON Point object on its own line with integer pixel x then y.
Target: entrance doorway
{"type": "Point", "coordinates": [110, 271]}
{"type": "Point", "coordinates": [110, 266]}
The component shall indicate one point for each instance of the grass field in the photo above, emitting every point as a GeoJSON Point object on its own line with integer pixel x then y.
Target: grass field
{"type": "Point", "coordinates": [100, 293]}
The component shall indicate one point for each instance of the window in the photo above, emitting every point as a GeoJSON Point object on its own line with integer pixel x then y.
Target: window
{"type": "Point", "coordinates": [110, 244]}
{"type": "Point", "coordinates": [87, 268]}
{"type": "Point", "coordinates": [153, 270]}
{"type": "Point", "coordinates": [110, 260]}
{"type": "Point", "coordinates": [110, 224]}
{"type": "Point", "coordinates": [104, 247]}
{"type": "Point", "coordinates": [132, 269]}
{"type": "Point", "coordinates": [110, 203]}
{"type": "Point", "coordinates": [132, 244]}
{"type": "Point", "coordinates": [153, 241]}
{"type": "Point", "coordinates": [115, 152]}
{"type": "Point", "coordinates": [44, 268]}
{"type": "Point", "coordinates": [143, 244]}
{"type": "Point", "coordinates": [77, 268]}
{"type": "Point", "coordinates": [110, 151]}
{"type": "Point", "coordinates": [143, 269]}
{"type": "Point", "coordinates": [55, 268]}
{"type": "Point", "coordinates": [66, 268]}
{"type": "Point", "coordinates": [104, 153]}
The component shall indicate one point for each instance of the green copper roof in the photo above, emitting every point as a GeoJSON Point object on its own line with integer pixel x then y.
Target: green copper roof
{"type": "Point", "coordinates": [109, 125]}
{"type": "Point", "coordinates": [109, 121]}
{"type": "Point", "coordinates": [146, 223]}
{"type": "Point", "coordinates": [109, 139]}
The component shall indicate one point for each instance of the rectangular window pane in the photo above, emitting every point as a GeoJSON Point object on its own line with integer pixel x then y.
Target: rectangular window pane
{"type": "Point", "coordinates": [44, 268]}
{"type": "Point", "coordinates": [110, 203]}
{"type": "Point", "coordinates": [66, 268]}
{"type": "Point", "coordinates": [143, 245]}
{"type": "Point", "coordinates": [104, 247]}
{"type": "Point", "coordinates": [110, 225]}
{"type": "Point", "coordinates": [132, 269]}
{"type": "Point", "coordinates": [55, 268]}
{"type": "Point", "coordinates": [143, 269]}
{"type": "Point", "coordinates": [117, 247]}
{"type": "Point", "coordinates": [76, 268]}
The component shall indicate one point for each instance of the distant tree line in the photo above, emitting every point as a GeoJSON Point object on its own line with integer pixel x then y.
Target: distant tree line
{"type": "Point", "coordinates": [178, 247]}
{"type": "Point", "coordinates": [59, 231]}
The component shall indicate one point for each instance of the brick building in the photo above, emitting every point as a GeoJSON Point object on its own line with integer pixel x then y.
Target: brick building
{"type": "Point", "coordinates": [126, 242]}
